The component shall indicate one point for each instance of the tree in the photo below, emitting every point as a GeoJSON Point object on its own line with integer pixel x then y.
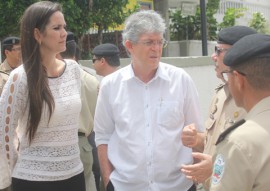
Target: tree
{"type": "Point", "coordinates": [109, 13]}
{"type": "Point", "coordinates": [189, 27]}
{"type": "Point", "coordinates": [259, 23]}
{"type": "Point", "coordinates": [230, 17]}
{"type": "Point", "coordinates": [184, 27]}
{"type": "Point", "coordinates": [80, 15]}
{"type": "Point", "coordinates": [10, 13]}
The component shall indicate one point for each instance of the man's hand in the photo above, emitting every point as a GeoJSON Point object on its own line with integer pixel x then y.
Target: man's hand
{"type": "Point", "coordinates": [189, 136]}
{"type": "Point", "coordinates": [200, 171]}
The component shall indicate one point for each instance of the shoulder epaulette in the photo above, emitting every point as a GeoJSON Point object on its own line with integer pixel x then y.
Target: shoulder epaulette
{"type": "Point", "coordinates": [227, 131]}
{"type": "Point", "coordinates": [4, 72]}
{"type": "Point", "coordinates": [220, 86]}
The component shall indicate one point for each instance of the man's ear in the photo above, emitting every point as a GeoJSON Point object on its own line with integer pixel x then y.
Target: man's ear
{"type": "Point", "coordinates": [6, 51]}
{"type": "Point", "coordinates": [102, 61]}
{"type": "Point", "coordinates": [129, 45]}
{"type": "Point", "coordinates": [241, 80]}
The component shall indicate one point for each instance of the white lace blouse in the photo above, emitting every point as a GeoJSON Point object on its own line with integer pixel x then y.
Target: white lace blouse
{"type": "Point", "coordinates": [54, 153]}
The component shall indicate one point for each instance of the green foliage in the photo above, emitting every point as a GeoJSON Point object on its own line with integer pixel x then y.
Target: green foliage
{"type": "Point", "coordinates": [259, 23]}
{"type": "Point", "coordinates": [184, 27]}
{"type": "Point", "coordinates": [230, 17]}
{"type": "Point", "coordinates": [77, 15]}
{"type": "Point", "coordinates": [189, 27]}
{"type": "Point", "coordinates": [80, 15]}
{"type": "Point", "coordinates": [110, 13]}
{"type": "Point", "coordinates": [10, 13]}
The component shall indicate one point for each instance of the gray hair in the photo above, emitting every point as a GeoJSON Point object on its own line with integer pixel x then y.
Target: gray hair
{"type": "Point", "coordinates": [144, 21]}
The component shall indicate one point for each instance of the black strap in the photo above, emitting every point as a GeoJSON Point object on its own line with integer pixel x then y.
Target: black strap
{"type": "Point", "coordinates": [4, 72]}
{"type": "Point", "coordinates": [81, 134]}
{"type": "Point", "coordinates": [227, 131]}
{"type": "Point", "coordinates": [192, 188]}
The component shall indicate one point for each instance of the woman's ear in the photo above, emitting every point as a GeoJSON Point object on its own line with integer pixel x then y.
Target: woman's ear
{"type": "Point", "coordinates": [37, 35]}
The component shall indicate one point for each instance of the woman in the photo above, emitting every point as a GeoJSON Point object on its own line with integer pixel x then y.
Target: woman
{"type": "Point", "coordinates": [40, 107]}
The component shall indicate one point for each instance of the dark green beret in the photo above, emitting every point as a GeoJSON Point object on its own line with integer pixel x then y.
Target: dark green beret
{"type": "Point", "coordinates": [105, 50]}
{"type": "Point", "coordinates": [11, 40]}
{"type": "Point", "coordinates": [231, 35]}
{"type": "Point", "coordinates": [248, 47]}
{"type": "Point", "coordinates": [70, 37]}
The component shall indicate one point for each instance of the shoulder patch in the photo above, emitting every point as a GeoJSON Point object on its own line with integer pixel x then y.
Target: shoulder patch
{"type": "Point", "coordinates": [218, 170]}
{"type": "Point", "coordinates": [227, 131]}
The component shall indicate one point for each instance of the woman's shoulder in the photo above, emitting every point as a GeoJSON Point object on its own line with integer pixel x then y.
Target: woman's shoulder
{"type": "Point", "coordinates": [72, 68]}
{"type": "Point", "coordinates": [18, 72]}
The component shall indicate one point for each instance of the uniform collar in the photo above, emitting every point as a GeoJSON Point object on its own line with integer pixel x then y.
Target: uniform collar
{"type": "Point", "coordinates": [260, 107]}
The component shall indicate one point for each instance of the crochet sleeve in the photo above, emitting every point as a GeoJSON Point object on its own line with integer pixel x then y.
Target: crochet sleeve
{"type": "Point", "coordinates": [11, 107]}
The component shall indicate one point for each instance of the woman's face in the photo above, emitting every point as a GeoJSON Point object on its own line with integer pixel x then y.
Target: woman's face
{"type": "Point", "coordinates": [53, 39]}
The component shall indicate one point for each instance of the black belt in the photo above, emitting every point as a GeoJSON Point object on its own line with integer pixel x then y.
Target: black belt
{"type": "Point", "coordinates": [81, 134]}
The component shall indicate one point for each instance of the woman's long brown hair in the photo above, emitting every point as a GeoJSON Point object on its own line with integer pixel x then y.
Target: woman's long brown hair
{"type": "Point", "coordinates": [36, 16]}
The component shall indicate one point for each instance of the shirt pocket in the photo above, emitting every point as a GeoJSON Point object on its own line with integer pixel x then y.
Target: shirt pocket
{"type": "Point", "coordinates": [209, 127]}
{"type": "Point", "coordinates": [170, 114]}
{"type": "Point", "coordinates": [209, 123]}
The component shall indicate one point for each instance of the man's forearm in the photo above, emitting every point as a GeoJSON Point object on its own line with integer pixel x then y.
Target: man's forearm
{"type": "Point", "coordinates": [105, 165]}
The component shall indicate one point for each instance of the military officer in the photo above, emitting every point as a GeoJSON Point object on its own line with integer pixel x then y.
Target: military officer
{"type": "Point", "coordinates": [3, 79]}
{"type": "Point", "coordinates": [89, 86]}
{"type": "Point", "coordinates": [11, 52]}
{"type": "Point", "coordinates": [223, 112]}
{"type": "Point", "coordinates": [242, 158]}
{"type": "Point", "coordinates": [106, 59]}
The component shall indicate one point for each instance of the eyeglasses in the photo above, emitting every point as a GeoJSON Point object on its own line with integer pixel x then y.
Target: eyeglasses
{"type": "Point", "coordinates": [225, 76]}
{"type": "Point", "coordinates": [16, 49]}
{"type": "Point", "coordinates": [95, 59]}
{"type": "Point", "coordinates": [150, 43]}
{"type": "Point", "coordinates": [218, 50]}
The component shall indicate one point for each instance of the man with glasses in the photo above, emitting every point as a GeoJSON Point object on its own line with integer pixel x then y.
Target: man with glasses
{"type": "Point", "coordinates": [141, 111]}
{"type": "Point", "coordinates": [242, 157]}
{"type": "Point", "coordinates": [223, 112]}
{"type": "Point", "coordinates": [11, 54]}
{"type": "Point", "coordinates": [106, 59]}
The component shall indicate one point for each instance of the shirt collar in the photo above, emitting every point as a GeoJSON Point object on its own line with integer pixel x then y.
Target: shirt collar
{"type": "Point", "coordinates": [161, 72]}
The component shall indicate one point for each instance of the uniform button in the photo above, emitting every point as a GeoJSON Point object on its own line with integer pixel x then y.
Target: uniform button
{"type": "Point", "coordinates": [236, 114]}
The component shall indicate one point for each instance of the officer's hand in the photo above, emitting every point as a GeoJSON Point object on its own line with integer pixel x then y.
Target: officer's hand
{"type": "Point", "coordinates": [201, 171]}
